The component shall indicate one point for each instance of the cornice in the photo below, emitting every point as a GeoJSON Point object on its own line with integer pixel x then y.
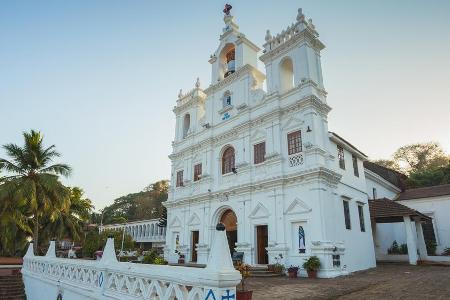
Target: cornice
{"type": "Point", "coordinates": [329, 177]}
{"type": "Point", "coordinates": [306, 35]}
{"type": "Point", "coordinates": [244, 70]}
{"type": "Point", "coordinates": [303, 103]}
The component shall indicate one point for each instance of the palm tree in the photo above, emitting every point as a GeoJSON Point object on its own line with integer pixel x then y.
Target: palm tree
{"type": "Point", "coordinates": [68, 222]}
{"type": "Point", "coordinates": [35, 178]}
{"type": "Point", "coordinates": [14, 223]}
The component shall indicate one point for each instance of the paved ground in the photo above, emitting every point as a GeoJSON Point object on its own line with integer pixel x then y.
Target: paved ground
{"type": "Point", "coordinates": [385, 282]}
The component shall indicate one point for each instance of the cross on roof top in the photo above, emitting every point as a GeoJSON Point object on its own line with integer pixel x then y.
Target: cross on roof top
{"type": "Point", "coordinates": [227, 9]}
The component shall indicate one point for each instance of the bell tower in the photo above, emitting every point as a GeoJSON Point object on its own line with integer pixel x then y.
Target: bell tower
{"type": "Point", "coordinates": [234, 51]}
{"type": "Point", "coordinates": [292, 57]}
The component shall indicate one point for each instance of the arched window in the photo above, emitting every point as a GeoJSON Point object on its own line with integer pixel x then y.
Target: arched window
{"type": "Point", "coordinates": [228, 160]}
{"type": "Point", "coordinates": [228, 60]}
{"type": "Point", "coordinates": [286, 74]}
{"type": "Point", "coordinates": [186, 124]}
{"type": "Point", "coordinates": [226, 99]}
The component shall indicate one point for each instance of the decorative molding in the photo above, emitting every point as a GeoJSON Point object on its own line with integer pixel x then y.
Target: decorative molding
{"type": "Point", "coordinates": [260, 211]}
{"type": "Point", "coordinates": [297, 207]}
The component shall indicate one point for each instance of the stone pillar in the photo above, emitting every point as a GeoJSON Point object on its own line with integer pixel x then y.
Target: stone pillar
{"type": "Point", "coordinates": [411, 240]}
{"type": "Point", "coordinates": [421, 241]}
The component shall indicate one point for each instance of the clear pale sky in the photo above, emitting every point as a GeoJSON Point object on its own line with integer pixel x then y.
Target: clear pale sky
{"type": "Point", "coordinates": [100, 78]}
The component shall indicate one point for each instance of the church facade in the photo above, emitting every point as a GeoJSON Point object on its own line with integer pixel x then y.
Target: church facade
{"type": "Point", "coordinates": [253, 151]}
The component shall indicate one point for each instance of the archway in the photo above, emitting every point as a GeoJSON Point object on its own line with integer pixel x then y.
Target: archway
{"type": "Point", "coordinates": [229, 219]}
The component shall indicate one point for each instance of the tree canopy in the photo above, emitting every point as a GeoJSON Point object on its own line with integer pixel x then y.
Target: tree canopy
{"type": "Point", "coordinates": [146, 204]}
{"type": "Point", "coordinates": [426, 164]}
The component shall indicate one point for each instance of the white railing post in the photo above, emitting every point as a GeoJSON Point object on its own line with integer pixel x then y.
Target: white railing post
{"type": "Point", "coordinates": [221, 276]}
{"type": "Point", "coordinates": [30, 251]}
{"type": "Point", "coordinates": [51, 252]}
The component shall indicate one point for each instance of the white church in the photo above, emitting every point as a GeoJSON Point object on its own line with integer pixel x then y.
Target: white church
{"type": "Point", "coordinates": [254, 151]}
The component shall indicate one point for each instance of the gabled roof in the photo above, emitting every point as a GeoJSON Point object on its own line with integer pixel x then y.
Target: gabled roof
{"type": "Point", "coordinates": [388, 211]}
{"type": "Point", "coordinates": [425, 192]}
{"type": "Point", "coordinates": [392, 176]}
{"type": "Point", "coordinates": [344, 142]}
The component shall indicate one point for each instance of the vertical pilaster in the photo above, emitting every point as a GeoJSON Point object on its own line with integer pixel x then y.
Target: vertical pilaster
{"type": "Point", "coordinates": [411, 240]}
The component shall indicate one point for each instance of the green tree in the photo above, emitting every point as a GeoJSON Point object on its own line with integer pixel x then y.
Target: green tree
{"type": "Point", "coordinates": [421, 156]}
{"type": "Point", "coordinates": [69, 221]}
{"type": "Point", "coordinates": [429, 177]}
{"type": "Point", "coordinates": [35, 178]}
{"type": "Point", "coordinates": [14, 225]}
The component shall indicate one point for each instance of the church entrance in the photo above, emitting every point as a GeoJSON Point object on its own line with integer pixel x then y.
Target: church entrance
{"type": "Point", "coordinates": [261, 244]}
{"type": "Point", "coordinates": [229, 219]}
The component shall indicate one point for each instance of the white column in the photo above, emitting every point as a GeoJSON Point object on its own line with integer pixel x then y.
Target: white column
{"type": "Point", "coordinates": [411, 240]}
{"type": "Point", "coordinates": [421, 241]}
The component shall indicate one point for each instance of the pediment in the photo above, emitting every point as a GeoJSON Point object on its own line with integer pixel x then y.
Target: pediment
{"type": "Point", "coordinates": [292, 122]}
{"type": "Point", "coordinates": [194, 220]}
{"type": "Point", "coordinates": [259, 134]}
{"type": "Point", "coordinates": [176, 222]}
{"type": "Point", "coordinates": [260, 211]}
{"type": "Point", "coordinates": [297, 207]}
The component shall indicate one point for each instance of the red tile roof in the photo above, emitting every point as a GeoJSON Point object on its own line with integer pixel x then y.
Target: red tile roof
{"type": "Point", "coordinates": [425, 192]}
{"type": "Point", "coordinates": [389, 210]}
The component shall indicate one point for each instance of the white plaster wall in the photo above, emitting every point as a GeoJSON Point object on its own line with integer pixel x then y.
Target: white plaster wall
{"type": "Point", "coordinates": [386, 234]}
{"type": "Point", "coordinates": [383, 188]}
{"type": "Point", "coordinates": [439, 209]}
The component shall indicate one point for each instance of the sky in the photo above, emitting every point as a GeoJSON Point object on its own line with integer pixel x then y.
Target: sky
{"type": "Point", "coordinates": [100, 78]}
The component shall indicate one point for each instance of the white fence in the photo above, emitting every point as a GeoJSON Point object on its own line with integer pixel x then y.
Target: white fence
{"type": "Point", "coordinates": [48, 277]}
{"type": "Point", "coordinates": [141, 231]}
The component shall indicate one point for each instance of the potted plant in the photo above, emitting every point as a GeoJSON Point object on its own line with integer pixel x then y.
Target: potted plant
{"type": "Point", "coordinates": [180, 257]}
{"type": "Point", "coordinates": [278, 268]}
{"type": "Point", "coordinates": [244, 294]}
{"type": "Point", "coordinates": [271, 267]}
{"type": "Point", "coordinates": [293, 271]}
{"type": "Point", "coordinates": [312, 265]}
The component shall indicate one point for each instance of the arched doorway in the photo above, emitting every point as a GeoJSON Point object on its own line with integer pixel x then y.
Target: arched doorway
{"type": "Point", "coordinates": [229, 219]}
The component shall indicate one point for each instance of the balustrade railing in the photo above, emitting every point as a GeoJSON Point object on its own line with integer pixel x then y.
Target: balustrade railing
{"type": "Point", "coordinates": [46, 277]}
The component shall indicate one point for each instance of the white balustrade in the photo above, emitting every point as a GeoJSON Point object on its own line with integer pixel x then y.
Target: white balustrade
{"type": "Point", "coordinates": [45, 277]}
{"type": "Point", "coordinates": [140, 231]}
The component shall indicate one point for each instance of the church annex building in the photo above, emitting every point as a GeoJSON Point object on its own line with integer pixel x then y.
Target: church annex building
{"type": "Point", "coordinates": [263, 161]}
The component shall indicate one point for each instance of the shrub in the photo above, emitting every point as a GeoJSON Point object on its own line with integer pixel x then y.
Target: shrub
{"type": "Point", "coordinates": [446, 251]}
{"type": "Point", "coordinates": [91, 244]}
{"type": "Point", "coordinates": [431, 247]}
{"type": "Point", "coordinates": [159, 261]}
{"type": "Point", "coordinates": [403, 249]}
{"type": "Point", "coordinates": [150, 257]}
{"type": "Point", "coordinates": [394, 249]}
{"type": "Point", "coordinates": [312, 264]}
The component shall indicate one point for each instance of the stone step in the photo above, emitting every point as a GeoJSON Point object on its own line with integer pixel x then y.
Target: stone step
{"type": "Point", "coordinates": [11, 287]}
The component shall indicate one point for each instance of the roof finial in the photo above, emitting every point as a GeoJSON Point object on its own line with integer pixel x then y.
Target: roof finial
{"type": "Point", "coordinates": [227, 9]}
{"type": "Point", "coordinates": [180, 94]}
{"type": "Point", "coordinates": [197, 83]}
{"type": "Point", "coordinates": [268, 35]}
{"type": "Point", "coordinates": [300, 15]}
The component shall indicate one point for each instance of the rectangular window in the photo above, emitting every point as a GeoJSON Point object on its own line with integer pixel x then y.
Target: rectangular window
{"type": "Point", "coordinates": [341, 157]}
{"type": "Point", "coordinates": [374, 193]}
{"type": "Point", "coordinates": [197, 172]}
{"type": "Point", "coordinates": [347, 214]}
{"type": "Point", "coordinates": [355, 166]}
{"type": "Point", "coordinates": [361, 218]}
{"type": "Point", "coordinates": [294, 142]}
{"type": "Point", "coordinates": [180, 178]}
{"type": "Point", "coordinates": [259, 152]}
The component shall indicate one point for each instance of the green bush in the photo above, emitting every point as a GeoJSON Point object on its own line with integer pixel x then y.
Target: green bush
{"type": "Point", "coordinates": [91, 244]}
{"type": "Point", "coordinates": [150, 257]}
{"type": "Point", "coordinates": [446, 252]}
{"type": "Point", "coordinates": [160, 261]}
{"type": "Point", "coordinates": [431, 247]}
{"type": "Point", "coordinates": [403, 249]}
{"type": "Point", "coordinates": [312, 264]}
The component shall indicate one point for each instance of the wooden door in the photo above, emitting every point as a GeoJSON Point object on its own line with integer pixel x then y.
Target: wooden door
{"type": "Point", "coordinates": [261, 244]}
{"type": "Point", "coordinates": [195, 235]}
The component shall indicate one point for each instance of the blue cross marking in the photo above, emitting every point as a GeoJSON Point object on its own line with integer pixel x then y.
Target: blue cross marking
{"type": "Point", "coordinates": [228, 296]}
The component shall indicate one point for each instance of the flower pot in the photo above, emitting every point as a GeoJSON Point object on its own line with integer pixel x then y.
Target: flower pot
{"type": "Point", "coordinates": [244, 295]}
{"type": "Point", "coordinates": [181, 260]}
{"type": "Point", "coordinates": [271, 268]}
{"type": "Point", "coordinates": [292, 274]}
{"type": "Point", "coordinates": [312, 274]}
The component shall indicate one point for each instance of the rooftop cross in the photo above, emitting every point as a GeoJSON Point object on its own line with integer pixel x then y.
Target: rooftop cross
{"type": "Point", "coordinates": [227, 9]}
